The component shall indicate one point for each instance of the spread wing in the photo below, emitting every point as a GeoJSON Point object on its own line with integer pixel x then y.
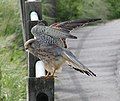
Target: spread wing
{"type": "Point", "coordinates": [59, 31]}
{"type": "Point", "coordinates": [38, 29]}
{"type": "Point", "coordinates": [70, 25]}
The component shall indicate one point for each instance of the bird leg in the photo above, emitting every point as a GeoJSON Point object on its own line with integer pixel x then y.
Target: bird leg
{"type": "Point", "coordinates": [52, 75]}
{"type": "Point", "coordinates": [47, 75]}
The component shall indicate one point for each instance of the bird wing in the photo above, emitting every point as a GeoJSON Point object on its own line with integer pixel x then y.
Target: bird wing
{"type": "Point", "coordinates": [38, 29]}
{"type": "Point", "coordinates": [76, 63]}
{"type": "Point", "coordinates": [46, 40]}
{"type": "Point", "coordinates": [59, 30]}
{"type": "Point", "coordinates": [70, 25]}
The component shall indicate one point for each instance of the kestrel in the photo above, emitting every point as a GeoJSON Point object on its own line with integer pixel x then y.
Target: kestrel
{"type": "Point", "coordinates": [49, 47]}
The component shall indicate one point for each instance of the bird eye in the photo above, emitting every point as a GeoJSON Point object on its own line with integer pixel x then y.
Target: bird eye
{"type": "Point", "coordinates": [26, 48]}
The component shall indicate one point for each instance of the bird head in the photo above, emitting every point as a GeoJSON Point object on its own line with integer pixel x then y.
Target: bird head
{"type": "Point", "coordinates": [28, 44]}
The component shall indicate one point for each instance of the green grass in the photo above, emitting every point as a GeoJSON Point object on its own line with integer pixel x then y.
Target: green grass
{"type": "Point", "coordinates": [76, 9]}
{"type": "Point", "coordinates": [13, 65]}
{"type": "Point", "coordinates": [14, 71]}
{"type": "Point", "coordinates": [9, 17]}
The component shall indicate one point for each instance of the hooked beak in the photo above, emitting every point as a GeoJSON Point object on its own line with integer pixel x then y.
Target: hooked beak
{"type": "Point", "coordinates": [28, 44]}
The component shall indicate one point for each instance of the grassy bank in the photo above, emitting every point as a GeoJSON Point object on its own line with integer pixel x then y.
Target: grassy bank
{"type": "Point", "coordinates": [12, 56]}
{"type": "Point", "coordinates": [13, 67]}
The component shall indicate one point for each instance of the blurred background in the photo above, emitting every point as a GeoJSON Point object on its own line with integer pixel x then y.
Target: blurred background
{"type": "Point", "coordinates": [13, 60]}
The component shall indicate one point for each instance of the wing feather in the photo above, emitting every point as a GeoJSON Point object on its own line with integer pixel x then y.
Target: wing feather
{"type": "Point", "coordinates": [70, 25]}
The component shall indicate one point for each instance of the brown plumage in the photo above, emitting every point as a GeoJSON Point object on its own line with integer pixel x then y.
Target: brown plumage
{"type": "Point", "coordinates": [50, 45]}
{"type": "Point", "coordinates": [54, 56]}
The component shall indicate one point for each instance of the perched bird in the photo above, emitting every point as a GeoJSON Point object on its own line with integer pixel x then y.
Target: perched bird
{"type": "Point", "coordinates": [49, 45]}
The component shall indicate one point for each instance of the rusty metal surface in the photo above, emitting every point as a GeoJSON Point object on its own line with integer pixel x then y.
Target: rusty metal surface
{"type": "Point", "coordinates": [98, 48]}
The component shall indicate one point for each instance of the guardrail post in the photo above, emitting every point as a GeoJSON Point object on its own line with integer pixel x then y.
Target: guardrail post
{"type": "Point", "coordinates": [39, 89]}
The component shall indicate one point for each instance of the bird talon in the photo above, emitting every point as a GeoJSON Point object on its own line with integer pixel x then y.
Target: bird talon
{"type": "Point", "coordinates": [50, 77]}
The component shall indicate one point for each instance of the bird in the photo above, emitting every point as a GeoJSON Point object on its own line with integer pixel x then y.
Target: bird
{"type": "Point", "coordinates": [48, 46]}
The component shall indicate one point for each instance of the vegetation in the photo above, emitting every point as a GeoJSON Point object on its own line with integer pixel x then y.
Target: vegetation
{"type": "Point", "coordinates": [12, 55]}
{"type": "Point", "coordinates": [114, 9]}
{"type": "Point", "coordinates": [13, 69]}
{"type": "Point", "coordinates": [72, 9]}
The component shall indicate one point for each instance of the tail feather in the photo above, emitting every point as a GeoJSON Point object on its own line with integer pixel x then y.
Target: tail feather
{"type": "Point", "coordinates": [89, 73]}
{"type": "Point", "coordinates": [77, 65]}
